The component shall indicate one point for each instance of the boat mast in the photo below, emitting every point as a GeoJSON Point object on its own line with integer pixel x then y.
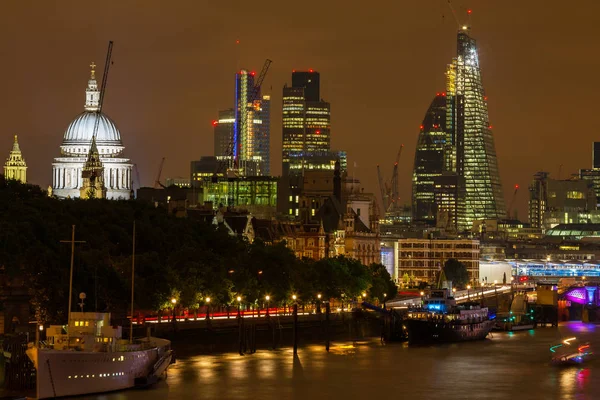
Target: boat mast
{"type": "Point", "coordinates": [72, 241]}
{"type": "Point", "coordinates": [132, 282]}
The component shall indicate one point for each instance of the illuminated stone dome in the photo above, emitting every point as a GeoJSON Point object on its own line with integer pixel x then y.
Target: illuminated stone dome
{"type": "Point", "coordinates": [69, 168]}
{"type": "Point", "coordinates": [82, 129]}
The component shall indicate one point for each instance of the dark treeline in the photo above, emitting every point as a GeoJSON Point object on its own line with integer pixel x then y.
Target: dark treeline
{"type": "Point", "coordinates": [175, 257]}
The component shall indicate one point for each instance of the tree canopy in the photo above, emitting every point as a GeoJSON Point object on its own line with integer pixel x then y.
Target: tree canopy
{"type": "Point", "coordinates": [175, 257]}
{"type": "Point", "coordinates": [456, 272]}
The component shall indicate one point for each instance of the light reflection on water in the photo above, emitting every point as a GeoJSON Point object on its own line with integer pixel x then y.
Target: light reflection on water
{"type": "Point", "coordinates": [509, 365]}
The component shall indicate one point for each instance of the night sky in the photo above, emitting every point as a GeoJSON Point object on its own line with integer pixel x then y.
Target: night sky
{"type": "Point", "coordinates": [381, 64]}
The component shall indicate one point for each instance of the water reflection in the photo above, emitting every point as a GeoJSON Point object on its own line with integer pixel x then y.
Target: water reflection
{"type": "Point", "coordinates": [510, 365]}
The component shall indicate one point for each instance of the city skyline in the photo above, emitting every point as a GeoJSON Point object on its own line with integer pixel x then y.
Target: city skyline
{"type": "Point", "coordinates": [164, 109]}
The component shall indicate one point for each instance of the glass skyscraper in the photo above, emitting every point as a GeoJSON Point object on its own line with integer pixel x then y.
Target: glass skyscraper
{"type": "Point", "coordinates": [469, 153]}
{"type": "Point", "coordinates": [251, 140]}
{"type": "Point", "coordinates": [306, 134]}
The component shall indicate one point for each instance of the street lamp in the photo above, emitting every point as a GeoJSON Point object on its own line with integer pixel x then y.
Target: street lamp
{"type": "Point", "coordinates": [319, 303]}
{"type": "Point", "coordinates": [208, 308]}
{"type": "Point", "coordinates": [239, 299]}
{"type": "Point", "coordinates": [267, 298]}
{"type": "Point", "coordinates": [384, 299]}
{"type": "Point", "coordinates": [174, 301]}
{"type": "Point", "coordinates": [343, 295]}
{"type": "Point", "coordinates": [468, 294]}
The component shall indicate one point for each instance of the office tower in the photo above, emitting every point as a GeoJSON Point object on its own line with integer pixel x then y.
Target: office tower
{"type": "Point", "coordinates": [224, 128]}
{"type": "Point", "coordinates": [251, 126]}
{"type": "Point", "coordinates": [593, 174]}
{"type": "Point", "coordinates": [306, 126]}
{"type": "Point", "coordinates": [567, 201]}
{"type": "Point", "coordinates": [429, 161]}
{"type": "Point", "coordinates": [462, 146]}
{"type": "Point", "coordinates": [473, 139]}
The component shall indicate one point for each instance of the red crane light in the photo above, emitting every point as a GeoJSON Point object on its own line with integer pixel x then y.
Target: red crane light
{"type": "Point", "coordinates": [215, 123]}
{"type": "Point", "coordinates": [469, 12]}
{"type": "Point", "coordinates": [516, 187]}
{"type": "Point", "coordinates": [237, 41]}
{"type": "Point", "coordinates": [421, 127]}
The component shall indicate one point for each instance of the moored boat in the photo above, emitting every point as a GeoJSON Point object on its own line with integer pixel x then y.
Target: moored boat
{"type": "Point", "coordinates": [440, 320]}
{"type": "Point", "coordinates": [89, 356]}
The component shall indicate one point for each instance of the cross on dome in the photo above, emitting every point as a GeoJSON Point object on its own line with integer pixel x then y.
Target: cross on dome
{"type": "Point", "coordinates": [93, 67]}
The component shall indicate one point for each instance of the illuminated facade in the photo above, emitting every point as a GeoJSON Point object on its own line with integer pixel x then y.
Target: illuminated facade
{"type": "Point", "coordinates": [242, 192]}
{"type": "Point", "coordinates": [223, 130]}
{"type": "Point", "coordinates": [306, 124]}
{"type": "Point", "coordinates": [421, 260]}
{"type": "Point", "coordinates": [553, 202]}
{"type": "Point", "coordinates": [456, 138]}
{"type": "Point", "coordinates": [593, 175]}
{"type": "Point", "coordinates": [67, 169]}
{"type": "Point", "coordinates": [15, 166]}
{"type": "Point", "coordinates": [473, 140]}
{"type": "Point", "coordinates": [429, 161]}
{"type": "Point", "coordinates": [251, 141]}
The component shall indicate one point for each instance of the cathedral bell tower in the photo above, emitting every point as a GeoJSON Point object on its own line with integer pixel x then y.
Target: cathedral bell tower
{"type": "Point", "coordinates": [93, 175]}
{"type": "Point", "coordinates": [15, 167]}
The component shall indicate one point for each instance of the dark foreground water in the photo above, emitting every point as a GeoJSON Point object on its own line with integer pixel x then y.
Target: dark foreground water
{"type": "Point", "coordinates": [506, 366]}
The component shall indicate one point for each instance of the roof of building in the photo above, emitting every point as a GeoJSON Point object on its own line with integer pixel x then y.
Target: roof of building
{"type": "Point", "coordinates": [574, 231]}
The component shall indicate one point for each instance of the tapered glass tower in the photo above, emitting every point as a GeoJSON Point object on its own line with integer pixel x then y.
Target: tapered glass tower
{"type": "Point", "coordinates": [456, 135]}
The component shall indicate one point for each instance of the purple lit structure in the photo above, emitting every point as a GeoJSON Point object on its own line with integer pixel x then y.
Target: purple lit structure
{"type": "Point", "coordinates": [584, 295]}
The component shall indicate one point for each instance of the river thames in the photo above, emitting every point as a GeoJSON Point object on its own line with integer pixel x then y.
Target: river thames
{"type": "Point", "coordinates": [505, 366]}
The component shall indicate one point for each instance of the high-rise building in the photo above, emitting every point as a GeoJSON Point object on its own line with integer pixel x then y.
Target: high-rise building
{"type": "Point", "coordinates": [567, 201]}
{"type": "Point", "coordinates": [429, 160]}
{"type": "Point", "coordinates": [224, 128]}
{"type": "Point", "coordinates": [463, 145]}
{"type": "Point", "coordinates": [474, 142]}
{"type": "Point", "coordinates": [251, 139]}
{"type": "Point", "coordinates": [306, 124]}
{"type": "Point", "coordinates": [593, 174]}
{"type": "Point", "coordinates": [15, 166]}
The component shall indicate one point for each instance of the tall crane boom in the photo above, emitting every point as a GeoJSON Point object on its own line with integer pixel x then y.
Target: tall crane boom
{"type": "Point", "coordinates": [384, 197]}
{"type": "Point", "coordinates": [512, 202]}
{"type": "Point", "coordinates": [157, 183]}
{"type": "Point", "coordinates": [395, 188]}
{"type": "Point", "coordinates": [107, 64]}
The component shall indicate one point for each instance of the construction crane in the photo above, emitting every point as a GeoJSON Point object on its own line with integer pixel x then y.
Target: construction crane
{"type": "Point", "coordinates": [253, 95]}
{"type": "Point", "coordinates": [512, 202]}
{"type": "Point", "coordinates": [157, 183]}
{"type": "Point", "coordinates": [103, 88]}
{"type": "Point", "coordinates": [382, 188]}
{"type": "Point", "coordinates": [395, 192]}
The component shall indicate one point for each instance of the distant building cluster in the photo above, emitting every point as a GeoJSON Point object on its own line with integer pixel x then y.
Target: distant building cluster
{"type": "Point", "coordinates": [457, 209]}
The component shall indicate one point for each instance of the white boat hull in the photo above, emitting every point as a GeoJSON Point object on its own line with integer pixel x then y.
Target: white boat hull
{"type": "Point", "coordinates": [70, 373]}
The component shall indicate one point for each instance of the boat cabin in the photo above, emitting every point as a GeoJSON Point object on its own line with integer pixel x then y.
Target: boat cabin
{"type": "Point", "coordinates": [88, 331]}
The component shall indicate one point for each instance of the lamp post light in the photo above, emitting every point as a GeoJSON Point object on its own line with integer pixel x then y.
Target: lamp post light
{"type": "Point", "coordinates": [422, 294]}
{"type": "Point", "coordinates": [267, 298]}
{"type": "Point", "coordinates": [319, 303]}
{"type": "Point", "coordinates": [174, 302]}
{"type": "Point", "coordinates": [384, 300]}
{"type": "Point", "coordinates": [343, 295]}
{"type": "Point", "coordinates": [208, 308]}
{"type": "Point", "coordinates": [239, 300]}
{"type": "Point", "coordinates": [468, 294]}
